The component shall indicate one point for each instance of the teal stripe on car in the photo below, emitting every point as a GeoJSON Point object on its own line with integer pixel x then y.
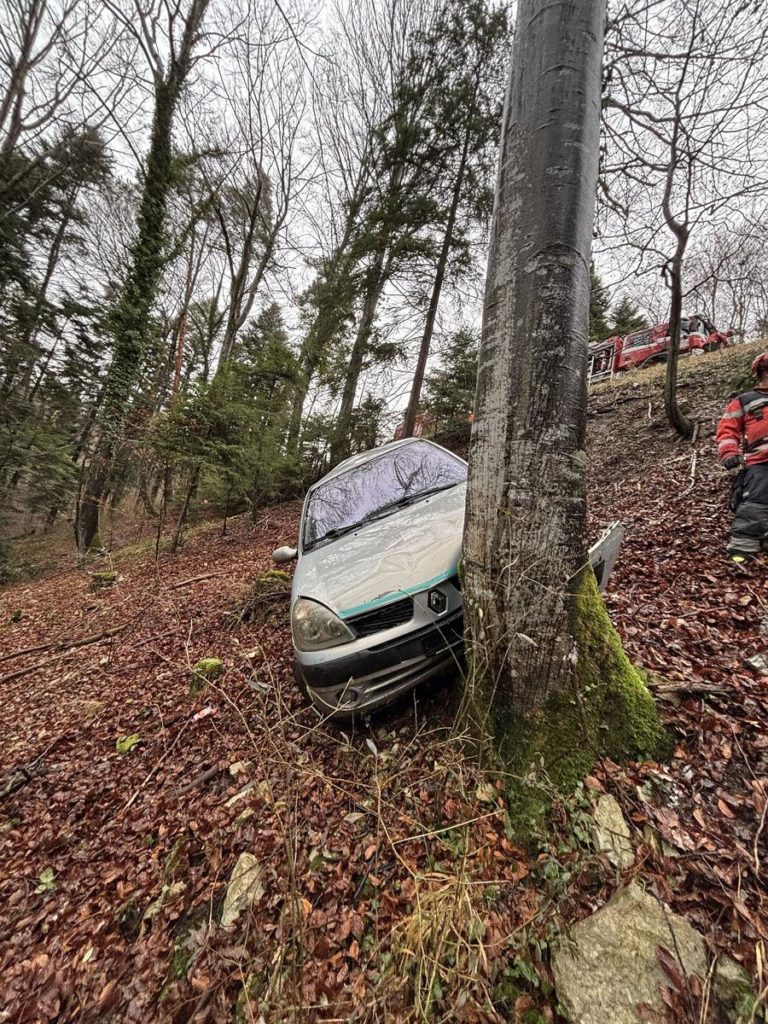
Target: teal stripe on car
{"type": "Point", "coordinates": [395, 594]}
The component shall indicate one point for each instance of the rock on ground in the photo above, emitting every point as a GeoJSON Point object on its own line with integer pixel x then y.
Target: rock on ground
{"type": "Point", "coordinates": [245, 887]}
{"type": "Point", "coordinates": [610, 965]}
{"type": "Point", "coordinates": [611, 833]}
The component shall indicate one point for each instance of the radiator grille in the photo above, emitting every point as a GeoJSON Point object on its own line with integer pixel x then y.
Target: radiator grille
{"type": "Point", "coordinates": [389, 615]}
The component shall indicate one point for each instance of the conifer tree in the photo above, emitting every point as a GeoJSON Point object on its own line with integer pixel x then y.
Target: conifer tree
{"type": "Point", "coordinates": [450, 388]}
{"type": "Point", "coordinates": [626, 317]}
{"type": "Point", "coordinates": [467, 50]}
{"type": "Point", "coordinates": [599, 306]}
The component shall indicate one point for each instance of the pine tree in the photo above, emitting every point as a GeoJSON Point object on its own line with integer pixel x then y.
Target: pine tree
{"type": "Point", "coordinates": [411, 212]}
{"type": "Point", "coordinates": [626, 317]}
{"type": "Point", "coordinates": [467, 46]}
{"type": "Point", "coordinates": [599, 306]}
{"type": "Point", "coordinates": [450, 388]}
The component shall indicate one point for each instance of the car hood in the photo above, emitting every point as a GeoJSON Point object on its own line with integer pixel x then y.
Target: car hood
{"type": "Point", "coordinates": [401, 554]}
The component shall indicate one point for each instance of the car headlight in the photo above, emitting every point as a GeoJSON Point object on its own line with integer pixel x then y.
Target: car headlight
{"type": "Point", "coordinates": [316, 627]}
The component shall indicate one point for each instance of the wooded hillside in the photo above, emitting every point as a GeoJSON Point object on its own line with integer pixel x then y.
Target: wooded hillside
{"type": "Point", "coordinates": [387, 885]}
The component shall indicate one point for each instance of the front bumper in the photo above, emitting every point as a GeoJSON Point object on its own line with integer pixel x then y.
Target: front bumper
{"type": "Point", "coordinates": [369, 679]}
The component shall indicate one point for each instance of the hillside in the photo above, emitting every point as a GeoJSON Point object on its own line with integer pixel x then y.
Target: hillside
{"type": "Point", "coordinates": [389, 886]}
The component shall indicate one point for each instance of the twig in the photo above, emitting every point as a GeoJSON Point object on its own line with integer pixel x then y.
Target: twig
{"type": "Point", "coordinates": [200, 780]}
{"type": "Point", "coordinates": [28, 650]}
{"type": "Point", "coordinates": [27, 774]}
{"type": "Point", "coordinates": [760, 828]}
{"type": "Point", "coordinates": [155, 769]}
{"type": "Point", "coordinates": [248, 612]}
{"type": "Point", "coordinates": [159, 636]}
{"type": "Point", "coordinates": [196, 579]}
{"type": "Point", "coordinates": [669, 686]}
{"type": "Point", "coordinates": [692, 474]}
{"type": "Point", "coordinates": [96, 638]}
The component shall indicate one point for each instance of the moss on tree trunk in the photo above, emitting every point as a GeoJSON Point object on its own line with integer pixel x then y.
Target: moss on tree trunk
{"type": "Point", "coordinates": [606, 708]}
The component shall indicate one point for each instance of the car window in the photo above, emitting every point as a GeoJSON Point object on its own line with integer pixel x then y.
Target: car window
{"type": "Point", "coordinates": [392, 477]}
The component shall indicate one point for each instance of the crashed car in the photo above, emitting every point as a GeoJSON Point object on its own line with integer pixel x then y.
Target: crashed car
{"type": "Point", "coordinates": [376, 602]}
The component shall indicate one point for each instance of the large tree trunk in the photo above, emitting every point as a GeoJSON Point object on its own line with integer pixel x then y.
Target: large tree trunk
{"type": "Point", "coordinates": [437, 287]}
{"type": "Point", "coordinates": [541, 646]}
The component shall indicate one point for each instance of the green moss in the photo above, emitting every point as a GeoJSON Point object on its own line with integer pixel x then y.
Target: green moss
{"type": "Point", "coordinates": [203, 672]}
{"type": "Point", "coordinates": [264, 599]}
{"type": "Point", "coordinates": [177, 863]}
{"type": "Point", "coordinates": [102, 580]}
{"type": "Point", "coordinates": [126, 744]}
{"type": "Point", "coordinates": [605, 710]}
{"type": "Point", "coordinates": [181, 961]}
{"type": "Point", "coordinates": [208, 668]}
{"type": "Point", "coordinates": [275, 574]}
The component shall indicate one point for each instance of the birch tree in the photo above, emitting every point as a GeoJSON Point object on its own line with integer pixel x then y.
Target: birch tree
{"type": "Point", "coordinates": [549, 679]}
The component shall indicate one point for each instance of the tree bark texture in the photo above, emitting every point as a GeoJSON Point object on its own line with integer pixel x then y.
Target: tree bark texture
{"type": "Point", "coordinates": [524, 542]}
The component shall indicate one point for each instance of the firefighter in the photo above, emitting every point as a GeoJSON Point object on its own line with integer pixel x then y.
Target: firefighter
{"type": "Point", "coordinates": [745, 423]}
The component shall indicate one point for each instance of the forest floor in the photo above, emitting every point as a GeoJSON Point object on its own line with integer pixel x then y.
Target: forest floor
{"type": "Point", "coordinates": [389, 888]}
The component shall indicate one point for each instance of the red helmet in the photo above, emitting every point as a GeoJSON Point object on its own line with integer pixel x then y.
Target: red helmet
{"type": "Point", "coordinates": [760, 364]}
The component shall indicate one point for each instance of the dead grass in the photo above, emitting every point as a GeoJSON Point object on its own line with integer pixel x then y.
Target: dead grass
{"type": "Point", "coordinates": [722, 362]}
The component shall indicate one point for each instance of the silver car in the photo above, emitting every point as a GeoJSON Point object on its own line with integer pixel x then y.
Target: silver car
{"type": "Point", "coordinates": [376, 602]}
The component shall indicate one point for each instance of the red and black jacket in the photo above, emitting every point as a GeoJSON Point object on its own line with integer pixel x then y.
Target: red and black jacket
{"type": "Point", "coordinates": [745, 419]}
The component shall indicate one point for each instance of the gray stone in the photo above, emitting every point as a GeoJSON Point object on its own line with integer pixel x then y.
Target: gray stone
{"type": "Point", "coordinates": [240, 794]}
{"type": "Point", "coordinates": [611, 833]}
{"type": "Point", "coordinates": [732, 984]}
{"type": "Point", "coordinates": [759, 662]}
{"type": "Point", "coordinates": [245, 887]}
{"type": "Point", "coordinates": [610, 966]}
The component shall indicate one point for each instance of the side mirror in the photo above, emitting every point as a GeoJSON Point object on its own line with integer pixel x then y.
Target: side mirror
{"type": "Point", "coordinates": [284, 554]}
{"type": "Point", "coordinates": [604, 552]}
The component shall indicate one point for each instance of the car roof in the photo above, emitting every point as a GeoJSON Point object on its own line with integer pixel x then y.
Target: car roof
{"type": "Point", "coordinates": [373, 453]}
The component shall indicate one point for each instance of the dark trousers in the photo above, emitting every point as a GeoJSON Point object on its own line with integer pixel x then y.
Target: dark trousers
{"type": "Point", "coordinates": [749, 501]}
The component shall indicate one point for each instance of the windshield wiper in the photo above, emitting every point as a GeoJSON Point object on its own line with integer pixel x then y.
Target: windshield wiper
{"type": "Point", "coordinates": [379, 513]}
{"type": "Point", "coordinates": [411, 499]}
{"type": "Point", "coordinates": [337, 531]}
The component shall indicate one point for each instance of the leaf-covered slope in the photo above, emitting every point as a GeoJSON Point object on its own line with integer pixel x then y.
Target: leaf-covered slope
{"type": "Point", "coordinates": [389, 881]}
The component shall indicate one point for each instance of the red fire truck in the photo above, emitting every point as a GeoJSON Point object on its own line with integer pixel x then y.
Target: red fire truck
{"type": "Point", "coordinates": [650, 345]}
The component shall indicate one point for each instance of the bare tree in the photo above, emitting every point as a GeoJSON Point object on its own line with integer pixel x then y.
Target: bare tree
{"type": "Point", "coordinates": [261, 171]}
{"type": "Point", "coordinates": [179, 32]}
{"type": "Point", "coordinates": [685, 107]}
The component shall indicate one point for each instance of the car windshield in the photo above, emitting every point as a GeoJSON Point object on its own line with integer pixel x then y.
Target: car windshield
{"type": "Point", "coordinates": [378, 487]}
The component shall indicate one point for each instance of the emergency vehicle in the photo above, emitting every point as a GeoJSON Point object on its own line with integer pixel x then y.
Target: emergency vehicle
{"type": "Point", "coordinates": [651, 344]}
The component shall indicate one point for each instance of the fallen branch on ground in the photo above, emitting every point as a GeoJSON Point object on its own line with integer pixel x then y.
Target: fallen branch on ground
{"type": "Point", "coordinates": [26, 773]}
{"type": "Point", "coordinates": [206, 776]}
{"type": "Point", "coordinates": [668, 686]}
{"type": "Point", "coordinates": [65, 647]}
{"type": "Point", "coordinates": [261, 602]}
{"type": "Point", "coordinates": [196, 579]}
